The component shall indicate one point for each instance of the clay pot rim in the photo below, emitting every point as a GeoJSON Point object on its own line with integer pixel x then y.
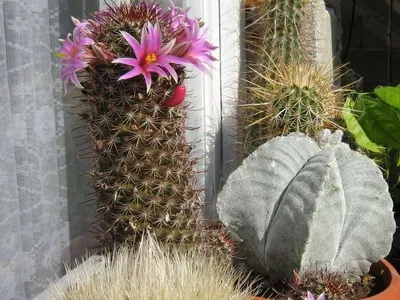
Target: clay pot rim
{"type": "Point", "coordinates": [389, 276]}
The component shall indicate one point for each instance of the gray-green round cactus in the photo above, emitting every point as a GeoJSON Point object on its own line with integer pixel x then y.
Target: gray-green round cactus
{"type": "Point", "coordinates": [298, 203]}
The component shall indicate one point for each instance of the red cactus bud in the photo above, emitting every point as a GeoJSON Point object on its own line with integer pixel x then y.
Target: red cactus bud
{"type": "Point", "coordinates": [177, 98]}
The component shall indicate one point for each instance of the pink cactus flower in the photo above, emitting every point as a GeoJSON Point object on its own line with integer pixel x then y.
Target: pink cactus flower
{"type": "Point", "coordinates": [179, 16]}
{"type": "Point", "coordinates": [194, 48]}
{"type": "Point", "coordinates": [177, 98]}
{"type": "Point", "coordinates": [310, 296]}
{"type": "Point", "coordinates": [151, 56]}
{"type": "Point", "coordinates": [74, 54]}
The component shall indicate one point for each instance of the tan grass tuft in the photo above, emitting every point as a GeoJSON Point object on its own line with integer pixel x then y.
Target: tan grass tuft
{"type": "Point", "coordinates": [154, 273]}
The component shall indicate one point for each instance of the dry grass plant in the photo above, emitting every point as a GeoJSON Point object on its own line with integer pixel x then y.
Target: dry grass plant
{"type": "Point", "coordinates": [154, 273]}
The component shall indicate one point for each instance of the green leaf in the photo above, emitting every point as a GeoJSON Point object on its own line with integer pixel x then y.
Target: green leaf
{"type": "Point", "coordinates": [389, 94]}
{"type": "Point", "coordinates": [356, 130]}
{"type": "Point", "coordinates": [379, 120]}
{"type": "Point", "coordinates": [397, 158]}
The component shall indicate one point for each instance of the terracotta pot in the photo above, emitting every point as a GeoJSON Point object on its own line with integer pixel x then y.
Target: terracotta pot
{"type": "Point", "coordinates": [389, 277]}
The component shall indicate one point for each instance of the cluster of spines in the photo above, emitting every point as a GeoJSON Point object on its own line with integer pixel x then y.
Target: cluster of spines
{"type": "Point", "coordinates": [274, 32]}
{"type": "Point", "coordinates": [130, 18]}
{"type": "Point", "coordinates": [143, 173]}
{"type": "Point", "coordinates": [295, 97]}
{"type": "Point", "coordinates": [277, 101]}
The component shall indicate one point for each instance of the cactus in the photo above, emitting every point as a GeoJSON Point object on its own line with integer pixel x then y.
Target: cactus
{"type": "Point", "coordinates": [298, 204]}
{"type": "Point", "coordinates": [275, 30]}
{"type": "Point", "coordinates": [295, 97]}
{"type": "Point", "coordinates": [144, 176]}
{"type": "Point", "coordinates": [285, 91]}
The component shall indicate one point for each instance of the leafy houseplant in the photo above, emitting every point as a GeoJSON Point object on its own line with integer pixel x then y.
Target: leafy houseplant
{"type": "Point", "coordinates": [309, 205]}
{"type": "Point", "coordinates": [129, 62]}
{"type": "Point", "coordinates": [374, 121]}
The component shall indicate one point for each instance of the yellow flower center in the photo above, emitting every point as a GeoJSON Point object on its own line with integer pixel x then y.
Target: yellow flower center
{"type": "Point", "coordinates": [150, 58]}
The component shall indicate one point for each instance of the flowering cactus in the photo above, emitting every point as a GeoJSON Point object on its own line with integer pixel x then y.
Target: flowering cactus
{"type": "Point", "coordinates": [130, 60]}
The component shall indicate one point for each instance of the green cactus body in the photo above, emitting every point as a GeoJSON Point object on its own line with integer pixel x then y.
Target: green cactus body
{"type": "Point", "coordinates": [298, 204]}
{"type": "Point", "coordinates": [275, 33]}
{"type": "Point", "coordinates": [278, 47]}
{"type": "Point", "coordinates": [295, 97]}
{"type": "Point", "coordinates": [144, 175]}
{"type": "Point", "coordinates": [130, 60]}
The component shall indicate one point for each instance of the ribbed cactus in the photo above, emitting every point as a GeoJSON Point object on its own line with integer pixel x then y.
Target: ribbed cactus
{"type": "Point", "coordinates": [131, 58]}
{"type": "Point", "coordinates": [284, 90]}
{"type": "Point", "coordinates": [294, 97]}
{"type": "Point", "coordinates": [274, 29]}
{"type": "Point", "coordinates": [299, 204]}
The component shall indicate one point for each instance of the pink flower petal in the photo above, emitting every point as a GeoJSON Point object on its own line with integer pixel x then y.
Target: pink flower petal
{"type": "Point", "coordinates": [310, 296]}
{"type": "Point", "coordinates": [174, 59]}
{"type": "Point", "coordinates": [134, 44]}
{"type": "Point", "coordinates": [132, 73]}
{"type": "Point", "coordinates": [157, 69]}
{"type": "Point", "coordinates": [67, 70]}
{"type": "Point", "coordinates": [75, 21]}
{"type": "Point", "coordinates": [171, 71]}
{"type": "Point", "coordinates": [147, 78]}
{"type": "Point", "coordinates": [157, 37]}
{"type": "Point", "coordinates": [167, 48]}
{"type": "Point", "coordinates": [75, 80]}
{"type": "Point", "coordinates": [144, 41]}
{"type": "Point", "coordinates": [126, 61]}
{"type": "Point", "coordinates": [85, 42]}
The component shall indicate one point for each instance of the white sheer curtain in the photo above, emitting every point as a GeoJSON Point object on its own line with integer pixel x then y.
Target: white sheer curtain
{"type": "Point", "coordinates": [43, 220]}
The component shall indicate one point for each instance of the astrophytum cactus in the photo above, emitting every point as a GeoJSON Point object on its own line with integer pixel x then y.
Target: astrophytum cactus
{"type": "Point", "coordinates": [296, 203]}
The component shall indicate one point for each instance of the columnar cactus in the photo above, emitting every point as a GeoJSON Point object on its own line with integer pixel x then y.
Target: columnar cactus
{"type": "Point", "coordinates": [131, 62]}
{"type": "Point", "coordinates": [296, 203]}
{"type": "Point", "coordinates": [275, 29]}
{"type": "Point", "coordinates": [285, 91]}
{"type": "Point", "coordinates": [295, 97]}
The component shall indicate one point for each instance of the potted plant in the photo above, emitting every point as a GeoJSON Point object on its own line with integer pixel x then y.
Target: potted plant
{"type": "Point", "coordinates": [305, 205]}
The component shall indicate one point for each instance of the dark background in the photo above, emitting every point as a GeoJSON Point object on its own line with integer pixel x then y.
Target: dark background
{"type": "Point", "coordinates": [374, 48]}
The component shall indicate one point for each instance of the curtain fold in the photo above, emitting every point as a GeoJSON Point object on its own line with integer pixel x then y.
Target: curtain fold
{"type": "Point", "coordinates": [43, 221]}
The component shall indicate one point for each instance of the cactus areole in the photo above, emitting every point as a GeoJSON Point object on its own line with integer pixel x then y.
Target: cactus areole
{"type": "Point", "coordinates": [296, 203]}
{"type": "Point", "coordinates": [128, 60]}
